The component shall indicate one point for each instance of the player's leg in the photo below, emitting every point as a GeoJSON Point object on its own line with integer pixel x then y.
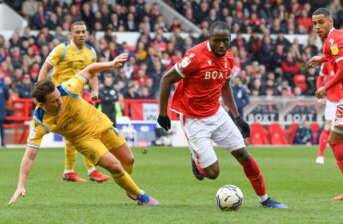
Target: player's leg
{"type": "Point", "coordinates": [323, 140]}
{"type": "Point", "coordinates": [204, 159]}
{"type": "Point", "coordinates": [96, 151]}
{"type": "Point", "coordinates": [228, 136]}
{"type": "Point", "coordinates": [93, 173]}
{"type": "Point", "coordinates": [329, 114]}
{"type": "Point", "coordinates": [118, 147]}
{"type": "Point", "coordinates": [69, 173]}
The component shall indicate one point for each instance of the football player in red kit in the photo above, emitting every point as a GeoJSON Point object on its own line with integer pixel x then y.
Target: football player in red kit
{"type": "Point", "coordinates": [333, 96]}
{"type": "Point", "coordinates": [333, 52]}
{"type": "Point", "coordinates": [203, 77]}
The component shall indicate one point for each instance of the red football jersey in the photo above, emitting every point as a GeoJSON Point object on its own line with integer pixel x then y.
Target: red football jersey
{"type": "Point", "coordinates": [335, 93]}
{"type": "Point", "coordinates": [204, 74]}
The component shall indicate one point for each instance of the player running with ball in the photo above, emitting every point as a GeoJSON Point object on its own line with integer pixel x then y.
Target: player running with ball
{"type": "Point", "coordinates": [203, 76]}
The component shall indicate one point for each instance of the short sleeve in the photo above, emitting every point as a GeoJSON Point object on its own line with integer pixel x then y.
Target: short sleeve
{"type": "Point", "coordinates": [55, 55]}
{"type": "Point", "coordinates": [94, 56]}
{"type": "Point", "coordinates": [74, 86]}
{"type": "Point", "coordinates": [36, 134]}
{"type": "Point", "coordinates": [188, 65]}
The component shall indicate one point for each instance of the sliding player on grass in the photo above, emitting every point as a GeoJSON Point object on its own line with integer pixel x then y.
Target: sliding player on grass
{"type": "Point", "coordinates": [66, 60]}
{"type": "Point", "coordinates": [61, 110]}
{"type": "Point", "coordinates": [203, 76]}
{"type": "Point", "coordinates": [333, 52]}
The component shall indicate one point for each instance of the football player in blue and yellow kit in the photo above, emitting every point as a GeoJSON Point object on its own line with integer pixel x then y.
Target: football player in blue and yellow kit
{"type": "Point", "coordinates": [66, 60]}
{"type": "Point", "coordinates": [61, 110]}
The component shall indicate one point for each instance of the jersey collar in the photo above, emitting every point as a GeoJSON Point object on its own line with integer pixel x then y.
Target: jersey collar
{"type": "Point", "coordinates": [74, 45]}
{"type": "Point", "coordinates": [208, 46]}
{"type": "Point", "coordinates": [332, 29]}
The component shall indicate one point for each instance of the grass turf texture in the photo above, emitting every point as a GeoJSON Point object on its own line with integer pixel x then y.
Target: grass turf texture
{"type": "Point", "coordinates": [291, 175]}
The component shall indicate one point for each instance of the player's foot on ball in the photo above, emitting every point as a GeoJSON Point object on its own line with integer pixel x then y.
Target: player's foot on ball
{"type": "Point", "coordinates": [145, 199]}
{"type": "Point", "coordinates": [339, 197]}
{"type": "Point", "coordinates": [270, 203]}
{"type": "Point", "coordinates": [98, 176]}
{"type": "Point", "coordinates": [197, 170]}
{"type": "Point", "coordinates": [320, 160]}
{"type": "Point", "coordinates": [73, 177]}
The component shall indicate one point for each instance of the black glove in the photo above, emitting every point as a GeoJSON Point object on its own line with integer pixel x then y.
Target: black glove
{"type": "Point", "coordinates": [243, 126]}
{"type": "Point", "coordinates": [164, 122]}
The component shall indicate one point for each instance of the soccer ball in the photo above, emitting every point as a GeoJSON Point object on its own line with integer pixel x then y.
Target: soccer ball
{"type": "Point", "coordinates": [229, 197]}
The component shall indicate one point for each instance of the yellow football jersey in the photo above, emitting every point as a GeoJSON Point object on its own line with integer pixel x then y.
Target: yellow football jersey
{"type": "Point", "coordinates": [76, 119]}
{"type": "Point", "coordinates": [68, 60]}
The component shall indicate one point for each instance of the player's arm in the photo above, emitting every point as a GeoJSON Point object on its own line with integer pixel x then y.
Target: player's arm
{"type": "Point", "coordinates": [336, 79]}
{"type": "Point", "coordinates": [172, 76]}
{"type": "Point", "coordinates": [37, 132]}
{"type": "Point", "coordinates": [229, 101]}
{"type": "Point", "coordinates": [94, 84]}
{"type": "Point", "coordinates": [93, 69]}
{"type": "Point", "coordinates": [25, 168]}
{"type": "Point", "coordinates": [316, 60]}
{"type": "Point", "coordinates": [53, 59]}
{"type": "Point", "coordinates": [44, 71]}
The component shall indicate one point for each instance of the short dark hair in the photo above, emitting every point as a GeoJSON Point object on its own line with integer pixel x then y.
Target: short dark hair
{"type": "Point", "coordinates": [78, 23]}
{"type": "Point", "coordinates": [322, 11]}
{"type": "Point", "coordinates": [41, 89]}
{"type": "Point", "coordinates": [218, 25]}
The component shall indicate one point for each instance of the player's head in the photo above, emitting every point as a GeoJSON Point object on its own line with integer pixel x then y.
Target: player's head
{"type": "Point", "coordinates": [79, 32]}
{"type": "Point", "coordinates": [219, 38]}
{"type": "Point", "coordinates": [322, 22]}
{"type": "Point", "coordinates": [46, 94]}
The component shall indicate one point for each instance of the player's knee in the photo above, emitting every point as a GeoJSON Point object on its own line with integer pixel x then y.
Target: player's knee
{"type": "Point", "coordinates": [241, 155]}
{"type": "Point", "coordinates": [212, 172]}
{"type": "Point", "coordinates": [115, 169]}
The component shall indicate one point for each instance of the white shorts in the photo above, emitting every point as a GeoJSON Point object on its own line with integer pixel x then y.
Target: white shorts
{"type": "Point", "coordinates": [202, 132]}
{"type": "Point", "coordinates": [330, 110]}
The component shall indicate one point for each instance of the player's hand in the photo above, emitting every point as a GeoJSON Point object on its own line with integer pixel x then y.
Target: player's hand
{"type": "Point", "coordinates": [120, 59]}
{"type": "Point", "coordinates": [320, 93]}
{"type": "Point", "coordinates": [243, 126]}
{"type": "Point", "coordinates": [95, 95]}
{"type": "Point", "coordinates": [20, 192]}
{"type": "Point", "coordinates": [164, 122]}
{"type": "Point", "coordinates": [315, 61]}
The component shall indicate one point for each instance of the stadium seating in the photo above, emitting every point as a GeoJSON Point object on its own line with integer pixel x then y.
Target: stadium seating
{"type": "Point", "coordinates": [277, 134]}
{"type": "Point", "coordinates": [258, 135]}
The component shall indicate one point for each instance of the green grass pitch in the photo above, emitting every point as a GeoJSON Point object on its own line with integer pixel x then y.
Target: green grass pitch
{"type": "Point", "coordinates": [291, 175]}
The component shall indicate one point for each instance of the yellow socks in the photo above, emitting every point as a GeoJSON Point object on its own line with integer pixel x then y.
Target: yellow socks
{"type": "Point", "coordinates": [125, 181]}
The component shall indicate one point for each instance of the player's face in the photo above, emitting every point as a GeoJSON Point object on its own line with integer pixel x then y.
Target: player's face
{"type": "Point", "coordinates": [53, 102]}
{"type": "Point", "coordinates": [79, 34]}
{"type": "Point", "coordinates": [220, 42]}
{"type": "Point", "coordinates": [322, 25]}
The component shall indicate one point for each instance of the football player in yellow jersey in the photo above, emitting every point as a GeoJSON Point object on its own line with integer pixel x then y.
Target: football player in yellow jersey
{"type": "Point", "coordinates": [66, 60]}
{"type": "Point", "coordinates": [61, 110]}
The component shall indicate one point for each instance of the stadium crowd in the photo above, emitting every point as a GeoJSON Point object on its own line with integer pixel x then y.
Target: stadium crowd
{"type": "Point", "coordinates": [266, 67]}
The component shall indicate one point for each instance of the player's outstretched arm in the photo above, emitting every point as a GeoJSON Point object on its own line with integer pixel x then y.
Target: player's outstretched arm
{"type": "Point", "coordinates": [316, 60]}
{"type": "Point", "coordinates": [171, 77]}
{"type": "Point", "coordinates": [93, 69]}
{"type": "Point", "coordinates": [25, 168]}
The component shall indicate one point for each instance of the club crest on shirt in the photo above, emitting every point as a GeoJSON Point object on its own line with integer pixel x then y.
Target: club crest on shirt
{"type": "Point", "coordinates": [334, 49]}
{"type": "Point", "coordinates": [186, 61]}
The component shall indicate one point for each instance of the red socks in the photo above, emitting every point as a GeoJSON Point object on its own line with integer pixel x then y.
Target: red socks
{"type": "Point", "coordinates": [337, 149]}
{"type": "Point", "coordinates": [323, 139]}
{"type": "Point", "coordinates": [254, 174]}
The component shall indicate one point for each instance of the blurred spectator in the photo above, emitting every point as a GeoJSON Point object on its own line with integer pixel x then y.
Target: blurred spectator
{"type": "Point", "coordinates": [109, 96]}
{"type": "Point", "coordinates": [303, 134]}
{"type": "Point", "coordinates": [4, 96]}
{"type": "Point", "coordinates": [240, 94]}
